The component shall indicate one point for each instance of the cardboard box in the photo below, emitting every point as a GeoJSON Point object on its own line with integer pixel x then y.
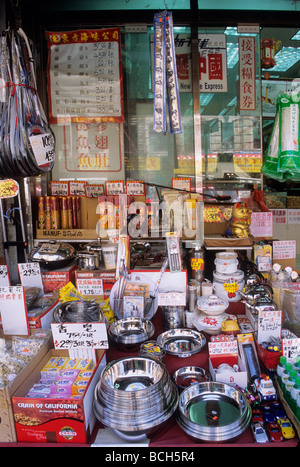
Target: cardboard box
{"type": "Point", "coordinates": [55, 420]}
{"type": "Point", "coordinates": [226, 351]}
{"type": "Point", "coordinates": [7, 425]}
{"type": "Point", "coordinates": [44, 319]}
{"type": "Point", "coordinates": [239, 377]}
{"type": "Point", "coordinates": [108, 279]}
{"type": "Point", "coordinates": [55, 280]}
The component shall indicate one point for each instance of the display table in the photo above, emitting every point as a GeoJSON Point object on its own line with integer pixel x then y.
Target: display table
{"type": "Point", "coordinates": [172, 436]}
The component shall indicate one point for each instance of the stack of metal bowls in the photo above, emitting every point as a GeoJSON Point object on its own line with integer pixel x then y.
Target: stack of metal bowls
{"type": "Point", "coordinates": [213, 412]}
{"type": "Point", "coordinates": [135, 396]}
{"type": "Point", "coordinates": [128, 333]}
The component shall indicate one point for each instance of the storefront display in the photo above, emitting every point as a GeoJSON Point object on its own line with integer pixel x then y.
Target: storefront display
{"type": "Point", "coordinates": [157, 305]}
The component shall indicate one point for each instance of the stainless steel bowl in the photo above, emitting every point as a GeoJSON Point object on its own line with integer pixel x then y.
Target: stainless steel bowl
{"type": "Point", "coordinates": [79, 311]}
{"type": "Point", "coordinates": [126, 333]}
{"type": "Point", "coordinates": [188, 375]}
{"type": "Point", "coordinates": [213, 412]}
{"type": "Point", "coordinates": [135, 396]}
{"type": "Point", "coordinates": [181, 342]}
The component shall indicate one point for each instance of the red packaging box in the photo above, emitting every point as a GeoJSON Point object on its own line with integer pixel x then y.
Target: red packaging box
{"type": "Point", "coordinates": [55, 280]}
{"type": "Point", "coordinates": [55, 420]}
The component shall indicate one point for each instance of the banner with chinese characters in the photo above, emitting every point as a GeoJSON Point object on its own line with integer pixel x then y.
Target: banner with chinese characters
{"type": "Point", "coordinates": [247, 86]}
{"type": "Point", "coordinates": [85, 76]}
{"type": "Point", "coordinates": [212, 62]}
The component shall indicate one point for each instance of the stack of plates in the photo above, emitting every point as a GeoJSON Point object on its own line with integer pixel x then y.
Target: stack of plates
{"type": "Point", "coordinates": [213, 412]}
{"type": "Point", "coordinates": [135, 397]}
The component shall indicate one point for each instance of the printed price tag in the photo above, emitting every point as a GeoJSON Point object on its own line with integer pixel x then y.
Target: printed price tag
{"type": "Point", "coordinates": [59, 188]}
{"type": "Point", "coordinates": [93, 191]}
{"type": "Point", "coordinates": [77, 188]}
{"type": "Point", "coordinates": [43, 148]}
{"type": "Point", "coordinates": [115, 187]}
{"type": "Point", "coordinates": [90, 286]}
{"type": "Point", "coordinates": [135, 188]}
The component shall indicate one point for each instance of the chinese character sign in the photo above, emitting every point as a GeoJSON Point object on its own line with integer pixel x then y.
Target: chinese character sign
{"type": "Point", "coordinates": [85, 77]}
{"type": "Point", "coordinates": [212, 62]}
{"type": "Point", "coordinates": [247, 85]}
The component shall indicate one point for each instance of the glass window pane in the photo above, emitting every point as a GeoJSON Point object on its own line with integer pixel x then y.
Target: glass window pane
{"type": "Point", "coordinates": [151, 156]}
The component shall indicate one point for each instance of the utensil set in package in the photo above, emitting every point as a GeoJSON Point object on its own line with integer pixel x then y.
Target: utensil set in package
{"type": "Point", "coordinates": [282, 161]}
{"type": "Point", "coordinates": [27, 146]}
{"type": "Point", "coordinates": [165, 76]}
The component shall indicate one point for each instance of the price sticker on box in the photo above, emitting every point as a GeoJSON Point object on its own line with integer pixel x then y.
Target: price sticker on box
{"type": "Point", "coordinates": [90, 286]}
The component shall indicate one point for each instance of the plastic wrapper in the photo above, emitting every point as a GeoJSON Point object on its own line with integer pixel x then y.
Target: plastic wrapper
{"type": "Point", "coordinates": [282, 161]}
{"type": "Point", "coordinates": [165, 75]}
{"type": "Point", "coordinates": [159, 69]}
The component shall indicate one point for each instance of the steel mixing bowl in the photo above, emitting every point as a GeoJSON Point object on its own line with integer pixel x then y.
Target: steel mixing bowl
{"type": "Point", "coordinates": [127, 333]}
{"type": "Point", "coordinates": [181, 342]}
{"type": "Point", "coordinates": [135, 397]}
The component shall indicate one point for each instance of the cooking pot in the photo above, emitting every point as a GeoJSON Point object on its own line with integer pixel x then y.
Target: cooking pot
{"type": "Point", "coordinates": [52, 254]}
{"type": "Point", "coordinates": [96, 247]}
{"type": "Point", "coordinates": [88, 260]}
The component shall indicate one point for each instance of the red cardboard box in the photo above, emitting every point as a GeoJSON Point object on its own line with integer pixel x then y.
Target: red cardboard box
{"type": "Point", "coordinates": [55, 420]}
{"type": "Point", "coordinates": [42, 320]}
{"type": "Point", "coordinates": [55, 280]}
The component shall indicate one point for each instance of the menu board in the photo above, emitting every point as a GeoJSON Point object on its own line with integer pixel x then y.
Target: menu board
{"type": "Point", "coordinates": [85, 76]}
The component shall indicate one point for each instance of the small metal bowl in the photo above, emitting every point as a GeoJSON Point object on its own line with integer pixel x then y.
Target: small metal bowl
{"type": "Point", "coordinates": [131, 331]}
{"type": "Point", "coordinates": [181, 342]}
{"type": "Point", "coordinates": [188, 375]}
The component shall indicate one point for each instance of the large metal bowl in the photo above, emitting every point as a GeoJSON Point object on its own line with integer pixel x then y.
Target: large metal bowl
{"type": "Point", "coordinates": [135, 396]}
{"type": "Point", "coordinates": [213, 412]}
{"type": "Point", "coordinates": [129, 332]}
{"type": "Point", "coordinates": [181, 342]}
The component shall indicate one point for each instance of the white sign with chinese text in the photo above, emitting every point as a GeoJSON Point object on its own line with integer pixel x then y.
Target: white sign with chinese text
{"type": "Point", "coordinates": [284, 249]}
{"type": "Point", "coordinates": [247, 84]}
{"type": "Point", "coordinates": [212, 62]}
{"type": "Point", "coordinates": [79, 335]}
{"type": "Point", "coordinates": [269, 324]}
{"type": "Point", "coordinates": [261, 224]}
{"type": "Point", "coordinates": [13, 310]}
{"type": "Point", "coordinates": [30, 275]}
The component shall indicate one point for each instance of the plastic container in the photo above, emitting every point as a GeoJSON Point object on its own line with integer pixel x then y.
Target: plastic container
{"type": "Point", "coordinates": [110, 253]}
{"type": "Point", "coordinates": [289, 385]}
{"type": "Point", "coordinates": [270, 359]}
{"type": "Point", "coordinates": [280, 368]}
{"type": "Point", "coordinates": [226, 263]}
{"type": "Point", "coordinates": [295, 393]}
